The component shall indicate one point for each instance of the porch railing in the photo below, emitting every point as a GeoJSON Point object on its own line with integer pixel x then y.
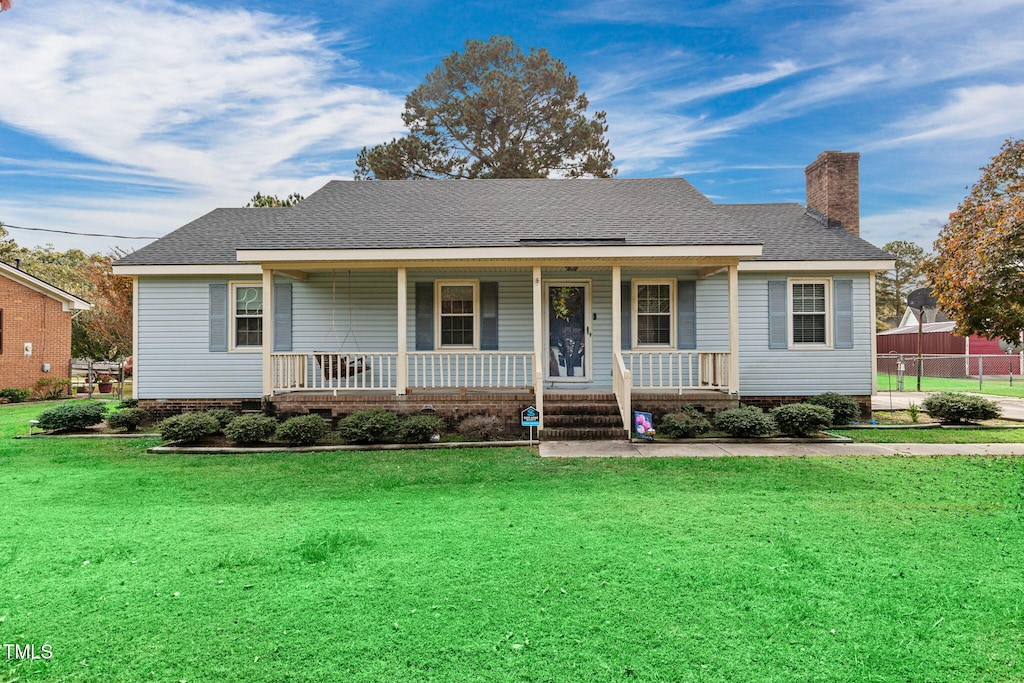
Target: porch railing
{"type": "Point", "coordinates": [334, 371]}
{"type": "Point", "coordinates": [483, 369]}
{"type": "Point", "coordinates": [316, 371]}
{"type": "Point", "coordinates": [622, 385]}
{"type": "Point", "coordinates": [678, 370]}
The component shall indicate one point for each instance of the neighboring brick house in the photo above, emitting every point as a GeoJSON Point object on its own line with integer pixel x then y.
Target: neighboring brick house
{"type": "Point", "coordinates": [35, 328]}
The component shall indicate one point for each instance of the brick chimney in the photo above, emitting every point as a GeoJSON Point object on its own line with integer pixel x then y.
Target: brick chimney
{"type": "Point", "coordinates": [833, 189]}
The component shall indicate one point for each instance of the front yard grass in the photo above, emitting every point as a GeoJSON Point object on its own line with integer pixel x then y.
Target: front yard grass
{"type": "Point", "coordinates": [494, 565]}
{"type": "Point", "coordinates": [964, 435]}
{"type": "Point", "coordinates": [994, 387]}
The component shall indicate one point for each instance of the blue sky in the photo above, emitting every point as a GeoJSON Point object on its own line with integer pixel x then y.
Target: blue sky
{"type": "Point", "coordinates": [133, 118]}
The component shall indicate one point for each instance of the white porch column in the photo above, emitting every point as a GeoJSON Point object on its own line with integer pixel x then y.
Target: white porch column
{"type": "Point", "coordinates": [402, 380]}
{"type": "Point", "coordinates": [874, 337]}
{"type": "Point", "coordinates": [734, 329]}
{"type": "Point", "coordinates": [268, 331]}
{"type": "Point", "coordinates": [616, 309]}
{"type": "Point", "coordinates": [135, 337]}
{"type": "Point", "coordinates": [538, 343]}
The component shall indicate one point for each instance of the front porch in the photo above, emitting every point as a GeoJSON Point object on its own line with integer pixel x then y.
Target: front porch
{"type": "Point", "coordinates": [594, 328]}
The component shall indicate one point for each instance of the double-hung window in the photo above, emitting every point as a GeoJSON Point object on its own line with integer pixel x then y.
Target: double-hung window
{"type": "Point", "coordinates": [809, 312]}
{"type": "Point", "coordinates": [655, 312]}
{"type": "Point", "coordinates": [247, 316]}
{"type": "Point", "coordinates": [458, 308]}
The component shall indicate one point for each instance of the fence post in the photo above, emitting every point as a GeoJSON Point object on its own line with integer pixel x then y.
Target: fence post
{"type": "Point", "coordinates": [89, 377]}
{"type": "Point", "coordinates": [981, 372]}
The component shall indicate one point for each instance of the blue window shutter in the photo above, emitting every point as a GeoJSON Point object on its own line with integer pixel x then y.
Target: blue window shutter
{"type": "Point", "coordinates": [627, 315]}
{"type": "Point", "coordinates": [778, 317]}
{"type": "Point", "coordinates": [424, 316]}
{"type": "Point", "coordinates": [842, 304]}
{"type": "Point", "coordinates": [686, 292]}
{"type": "Point", "coordinates": [283, 316]}
{"type": "Point", "coordinates": [488, 316]}
{"type": "Point", "coordinates": [219, 317]}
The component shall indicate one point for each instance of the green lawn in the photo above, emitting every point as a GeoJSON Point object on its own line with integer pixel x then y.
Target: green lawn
{"type": "Point", "coordinates": [965, 435]}
{"type": "Point", "coordinates": [995, 387]}
{"type": "Point", "coordinates": [494, 565]}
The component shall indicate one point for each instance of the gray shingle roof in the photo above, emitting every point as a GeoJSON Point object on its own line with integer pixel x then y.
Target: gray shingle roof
{"type": "Point", "coordinates": [504, 213]}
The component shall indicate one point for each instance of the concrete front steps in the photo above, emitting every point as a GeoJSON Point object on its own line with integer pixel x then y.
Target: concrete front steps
{"type": "Point", "coordinates": [581, 417]}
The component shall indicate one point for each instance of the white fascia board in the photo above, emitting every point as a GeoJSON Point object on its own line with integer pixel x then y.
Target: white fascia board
{"type": "Point", "coordinates": [70, 302]}
{"type": "Point", "coordinates": [814, 266]}
{"type": "Point", "coordinates": [219, 269]}
{"type": "Point", "coordinates": [532, 253]}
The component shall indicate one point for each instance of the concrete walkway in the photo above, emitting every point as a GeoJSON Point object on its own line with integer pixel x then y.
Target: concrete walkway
{"type": "Point", "coordinates": [625, 449]}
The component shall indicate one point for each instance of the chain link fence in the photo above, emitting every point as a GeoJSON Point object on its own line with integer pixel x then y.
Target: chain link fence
{"type": "Point", "coordinates": [978, 373]}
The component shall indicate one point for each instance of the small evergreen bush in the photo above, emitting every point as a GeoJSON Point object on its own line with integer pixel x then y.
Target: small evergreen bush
{"type": "Point", "coordinates": [686, 424]}
{"type": "Point", "coordinates": [844, 409]}
{"type": "Point", "coordinates": [251, 429]}
{"type": "Point", "coordinates": [482, 427]}
{"type": "Point", "coordinates": [223, 416]}
{"type": "Point", "coordinates": [955, 408]}
{"type": "Point", "coordinates": [188, 427]}
{"type": "Point", "coordinates": [304, 430]}
{"type": "Point", "coordinates": [72, 415]}
{"type": "Point", "coordinates": [128, 419]}
{"type": "Point", "coordinates": [802, 419]}
{"type": "Point", "coordinates": [127, 403]}
{"type": "Point", "coordinates": [745, 422]}
{"type": "Point", "coordinates": [369, 426]}
{"type": "Point", "coordinates": [14, 395]}
{"type": "Point", "coordinates": [419, 428]}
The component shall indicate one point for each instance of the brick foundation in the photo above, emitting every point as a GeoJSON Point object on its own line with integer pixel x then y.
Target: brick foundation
{"type": "Point", "coordinates": [452, 406]}
{"type": "Point", "coordinates": [160, 408]}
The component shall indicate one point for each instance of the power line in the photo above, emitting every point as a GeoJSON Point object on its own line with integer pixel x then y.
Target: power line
{"type": "Point", "coordinates": [80, 234]}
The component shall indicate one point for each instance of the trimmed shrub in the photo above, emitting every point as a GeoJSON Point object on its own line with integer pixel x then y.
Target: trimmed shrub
{"type": "Point", "coordinates": [419, 428]}
{"type": "Point", "coordinates": [304, 430]}
{"type": "Point", "coordinates": [844, 409]}
{"type": "Point", "coordinates": [745, 422]}
{"type": "Point", "coordinates": [128, 419]}
{"type": "Point", "coordinates": [801, 419]}
{"type": "Point", "coordinates": [686, 424]}
{"type": "Point", "coordinates": [13, 395]}
{"type": "Point", "coordinates": [482, 427]}
{"type": "Point", "coordinates": [71, 415]}
{"type": "Point", "coordinates": [954, 408]}
{"type": "Point", "coordinates": [369, 426]}
{"type": "Point", "coordinates": [251, 429]}
{"type": "Point", "coordinates": [127, 403]}
{"type": "Point", "coordinates": [188, 427]}
{"type": "Point", "coordinates": [223, 416]}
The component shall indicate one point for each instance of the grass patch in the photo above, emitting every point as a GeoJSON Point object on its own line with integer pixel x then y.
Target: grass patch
{"type": "Point", "coordinates": [962, 435]}
{"type": "Point", "coordinates": [494, 565]}
{"type": "Point", "coordinates": [995, 387]}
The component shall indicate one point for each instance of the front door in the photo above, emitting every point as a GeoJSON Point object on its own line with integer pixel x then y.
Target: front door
{"type": "Point", "coordinates": [568, 331]}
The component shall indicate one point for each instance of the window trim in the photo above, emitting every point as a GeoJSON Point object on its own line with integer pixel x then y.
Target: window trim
{"type": "Point", "coordinates": [829, 313]}
{"type": "Point", "coordinates": [673, 305]}
{"type": "Point", "coordinates": [438, 285]}
{"type": "Point", "coordinates": [233, 347]}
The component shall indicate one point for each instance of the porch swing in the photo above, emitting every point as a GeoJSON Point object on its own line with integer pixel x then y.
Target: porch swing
{"type": "Point", "coordinates": [335, 364]}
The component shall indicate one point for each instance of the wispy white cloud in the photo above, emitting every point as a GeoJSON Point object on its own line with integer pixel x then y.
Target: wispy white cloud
{"type": "Point", "coordinates": [973, 113]}
{"type": "Point", "coordinates": [177, 93]}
